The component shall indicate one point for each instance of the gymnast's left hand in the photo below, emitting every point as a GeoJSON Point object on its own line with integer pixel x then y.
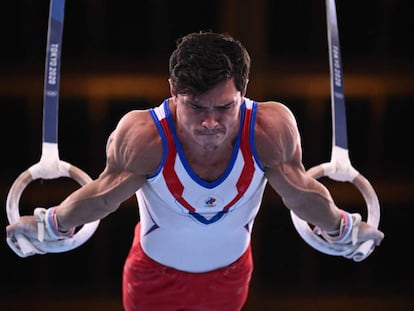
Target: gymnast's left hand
{"type": "Point", "coordinates": [367, 232]}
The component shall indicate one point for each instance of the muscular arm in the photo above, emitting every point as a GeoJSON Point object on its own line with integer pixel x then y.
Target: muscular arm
{"type": "Point", "coordinates": [133, 152]}
{"type": "Point", "coordinates": [279, 149]}
{"type": "Point", "coordinates": [308, 198]}
{"type": "Point", "coordinates": [98, 198]}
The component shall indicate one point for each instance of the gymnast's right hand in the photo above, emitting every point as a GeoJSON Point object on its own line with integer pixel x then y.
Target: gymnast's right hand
{"type": "Point", "coordinates": [22, 235]}
{"type": "Point", "coordinates": [26, 226]}
{"type": "Point", "coordinates": [26, 235]}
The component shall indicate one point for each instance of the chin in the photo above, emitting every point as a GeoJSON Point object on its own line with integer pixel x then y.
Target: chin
{"type": "Point", "coordinates": [210, 147]}
{"type": "Point", "coordinates": [211, 144]}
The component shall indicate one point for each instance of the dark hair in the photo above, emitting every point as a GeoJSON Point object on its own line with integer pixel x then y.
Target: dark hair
{"type": "Point", "coordinates": [204, 59]}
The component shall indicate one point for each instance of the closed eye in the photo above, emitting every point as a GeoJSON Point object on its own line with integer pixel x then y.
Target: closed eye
{"type": "Point", "coordinates": [197, 107]}
{"type": "Point", "coordinates": [225, 107]}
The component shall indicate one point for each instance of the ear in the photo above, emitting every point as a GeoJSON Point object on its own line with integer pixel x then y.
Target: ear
{"type": "Point", "coordinates": [172, 90]}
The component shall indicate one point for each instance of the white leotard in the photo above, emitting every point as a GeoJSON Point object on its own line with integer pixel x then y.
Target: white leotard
{"type": "Point", "coordinates": [193, 225]}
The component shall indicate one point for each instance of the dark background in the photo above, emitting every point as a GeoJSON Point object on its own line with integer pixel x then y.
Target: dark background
{"type": "Point", "coordinates": [115, 58]}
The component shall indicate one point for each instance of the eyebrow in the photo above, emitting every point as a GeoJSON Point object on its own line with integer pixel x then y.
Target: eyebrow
{"type": "Point", "coordinates": [230, 103]}
{"type": "Point", "coordinates": [195, 104]}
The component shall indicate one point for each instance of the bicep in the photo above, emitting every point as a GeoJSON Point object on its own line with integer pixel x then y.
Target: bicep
{"type": "Point", "coordinates": [301, 193]}
{"type": "Point", "coordinates": [118, 181]}
{"type": "Point", "coordinates": [281, 153]}
{"type": "Point", "coordinates": [97, 199]}
{"type": "Point", "coordinates": [114, 185]}
{"type": "Point", "coordinates": [290, 181]}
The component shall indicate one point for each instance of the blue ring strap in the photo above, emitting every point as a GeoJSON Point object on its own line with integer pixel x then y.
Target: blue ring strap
{"type": "Point", "coordinates": [52, 71]}
{"type": "Point", "coordinates": [339, 127]}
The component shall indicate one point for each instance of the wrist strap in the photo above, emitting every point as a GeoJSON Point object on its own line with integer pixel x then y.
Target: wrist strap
{"type": "Point", "coordinates": [47, 225]}
{"type": "Point", "coordinates": [348, 229]}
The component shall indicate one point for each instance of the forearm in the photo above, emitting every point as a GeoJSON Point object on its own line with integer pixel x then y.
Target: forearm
{"type": "Point", "coordinates": [305, 196]}
{"type": "Point", "coordinates": [83, 206]}
{"type": "Point", "coordinates": [315, 206]}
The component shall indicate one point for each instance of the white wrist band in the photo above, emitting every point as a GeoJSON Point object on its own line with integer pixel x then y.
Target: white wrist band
{"type": "Point", "coordinates": [47, 225]}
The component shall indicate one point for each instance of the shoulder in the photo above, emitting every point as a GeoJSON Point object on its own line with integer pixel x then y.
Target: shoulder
{"type": "Point", "coordinates": [135, 144]}
{"type": "Point", "coordinates": [272, 110]}
{"type": "Point", "coordinates": [135, 124]}
{"type": "Point", "coordinates": [276, 133]}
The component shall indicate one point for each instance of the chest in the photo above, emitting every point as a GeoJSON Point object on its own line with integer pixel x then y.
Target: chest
{"type": "Point", "coordinates": [209, 168]}
{"type": "Point", "coordinates": [202, 198]}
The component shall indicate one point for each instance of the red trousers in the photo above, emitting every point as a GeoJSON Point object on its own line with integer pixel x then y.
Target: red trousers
{"type": "Point", "coordinates": [150, 286]}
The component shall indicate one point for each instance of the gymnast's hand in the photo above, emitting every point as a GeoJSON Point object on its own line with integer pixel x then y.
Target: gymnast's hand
{"type": "Point", "coordinates": [367, 232]}
{"type": "Point", "coordinates": [26, 226]}
{"type": "Point", "coordinates": [26, 236]}
{"type": "Point", "coordinates": [42, 226]}
{"type": "Point", "coordinates": [22, 236]}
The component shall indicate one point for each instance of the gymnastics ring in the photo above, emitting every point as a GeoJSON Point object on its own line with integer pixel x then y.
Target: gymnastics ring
{"type": "Point", "coordinates": [49, 166]}
{"type": "Point", "coordinates": [40, 170]}
{"type": "Point", "coordinates": [340, 167]}
{"type": "Point", "coordinates": [342, 171]}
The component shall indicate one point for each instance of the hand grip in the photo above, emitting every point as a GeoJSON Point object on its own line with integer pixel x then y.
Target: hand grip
{"type": "Point", "coordinates": [40, 171]}
{"type": "Point", "coordinates": [361, 251]}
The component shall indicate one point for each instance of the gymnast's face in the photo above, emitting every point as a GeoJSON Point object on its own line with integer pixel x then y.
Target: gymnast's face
{"type": "Point", "coordinates": [211, 119]}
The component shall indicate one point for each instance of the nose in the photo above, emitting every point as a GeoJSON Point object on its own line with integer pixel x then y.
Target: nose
{"type": "Point", "coordinates": [210, 120]}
